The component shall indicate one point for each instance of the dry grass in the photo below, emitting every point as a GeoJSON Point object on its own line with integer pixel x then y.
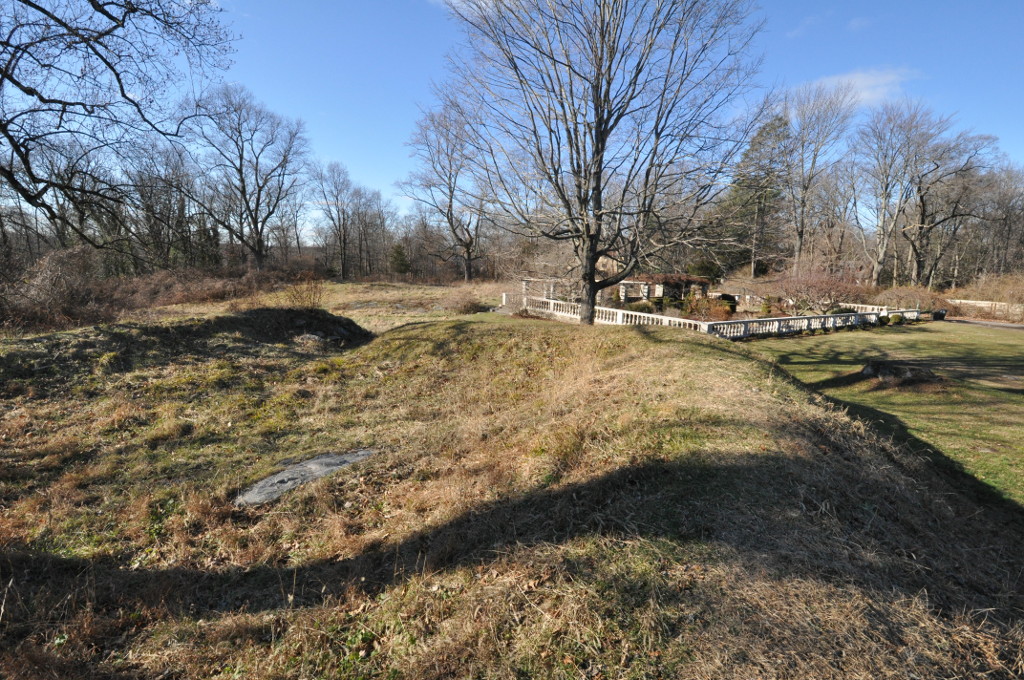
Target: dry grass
{"type": "Point", "coordinates": [912, 297]}
{"type": "Point", "coordinates": [1007, 288]}
{"type": "Point", "coordinates": [546, 501]}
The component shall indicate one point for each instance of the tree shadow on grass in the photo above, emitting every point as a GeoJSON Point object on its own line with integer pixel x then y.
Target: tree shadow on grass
{"type": "Point", "coordinates": [839, 516]}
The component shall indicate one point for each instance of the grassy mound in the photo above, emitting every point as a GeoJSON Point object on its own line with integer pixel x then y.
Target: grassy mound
{"type": "Point", "coordinates": [548, 501]}
{"type": "Point", "coordinates": [63, 360]}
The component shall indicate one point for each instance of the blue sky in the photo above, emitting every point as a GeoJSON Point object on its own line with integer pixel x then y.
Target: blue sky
{"type": "Point", "coordinates": [359, 71]}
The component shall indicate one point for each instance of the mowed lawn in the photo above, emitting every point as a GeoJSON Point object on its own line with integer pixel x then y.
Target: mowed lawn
{"type": "Point", "coordinates": [973, 416]}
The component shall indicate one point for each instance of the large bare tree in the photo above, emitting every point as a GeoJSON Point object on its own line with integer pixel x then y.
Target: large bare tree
{"type": "Point", "coordinates": [335, 197]}
{"type": "Point", "coordinates": [80, 78]}
{"type": "Point", "coordinates": [254, 162]}
{"type": "Point", "coordinates": [443, 182]}
{"type": "Point", "coordinates": [920, 181]}
{"type": "Point", "coordinates": [819, 117]}
{"type": "Point", "coordinates": [946, 172]}
{"type": "Point", "coordinates": [882, 150]}
{"type": "Point", "coordinates": [605, 123]}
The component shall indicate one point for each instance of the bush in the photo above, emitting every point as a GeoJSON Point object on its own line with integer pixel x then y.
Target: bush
{"type": "Point", "coordinates": [896, 319]}
{"type": "Point", "coordinates": [1006, 288]}
{"type": "Point", "coordinates": [74, 287]}
{"type": "Point", "coordinates": [65, 287]}
{"type": "Point", "coordinates": [705, 309]}
{"type": "Point", "coordinates": [643, 306]}
{"type": "Point", "coordinates": [307, 293]}
{"type": "Point", "coordinates": [910, 297]}
{"type": "Point", "coordinates": [187, 286]}
{"type": "Point", "coordinates": [883, 320]}
{"type": "Point", "coordinates": [816, 292]}
{"type": "Point", "coordinates": [462, 302]}
{"type": "Point", "coordinates": [730, 301]}
{"type": "Point", "coordinates": [707, 269]}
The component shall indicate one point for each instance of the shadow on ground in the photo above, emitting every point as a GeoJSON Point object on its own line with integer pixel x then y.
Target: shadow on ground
{"type": "Point", "coordinates": [53, 360]}
{"type": "Point", "coordinates": [835, 516]}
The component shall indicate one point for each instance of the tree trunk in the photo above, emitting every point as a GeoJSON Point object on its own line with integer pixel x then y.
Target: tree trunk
{"type": "Point", "coordinates": [468, 260]}
{"type": "Point", "coordinates": [588, 300]}
{"type": "Point", "coordinates": [588, 303]}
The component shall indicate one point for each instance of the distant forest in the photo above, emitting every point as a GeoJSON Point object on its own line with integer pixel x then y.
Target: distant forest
{"type": "Point", "coordinates": [108, 172]}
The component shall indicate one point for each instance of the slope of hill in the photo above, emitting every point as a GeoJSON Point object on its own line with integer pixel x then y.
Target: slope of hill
{"type": "Point", "coordinates": [545, 501]}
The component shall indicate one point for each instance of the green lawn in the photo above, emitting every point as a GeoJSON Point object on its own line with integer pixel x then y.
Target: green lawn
{"type": "Point", "coordinates": [975, 416]}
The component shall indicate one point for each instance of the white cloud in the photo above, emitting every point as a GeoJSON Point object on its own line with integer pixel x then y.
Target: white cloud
{"type": "Point", "coordinates": [805, 25]}
{"type": "Point", "coordinates": [874, 86]}
{"type": "Point", "coordinates": [858, 24]}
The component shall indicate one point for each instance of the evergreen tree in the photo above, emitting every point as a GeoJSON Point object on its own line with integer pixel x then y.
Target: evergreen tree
{"type": "Point", "coordinates": [751, 212]}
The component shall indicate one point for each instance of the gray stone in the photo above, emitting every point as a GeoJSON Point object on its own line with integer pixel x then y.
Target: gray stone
{"type": "Point", "coordinates": [276, 485]}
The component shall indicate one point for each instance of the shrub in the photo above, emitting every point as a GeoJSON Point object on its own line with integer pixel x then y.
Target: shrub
{"type": "Point", "coordinates": [705, 309]}
{"type": "Point", "coordinates": [462, 302]}
{"type": "Point", "coordinates": [896, 319]}
{"type": "Point", "coordinates": [816, 292]}
{"type": "Point", "coordinates": [193, 286]}
{"type": "Point", "coordinates": [1006, 288]}
{"type": "Point", "coordinates": [883, 320]}
{"type": "Point", "coordinates": [74, 287]}
{"type": "Point", "coordinates": [643, 306]}
{"type": "Point", "coordinates": [707, 269]}
{"type": "Point", "coordinates": [307, 293]}
{"type": "Point", "coordinates": [911, 297]}
{"type": "Point", "coordinates": [65, 287]}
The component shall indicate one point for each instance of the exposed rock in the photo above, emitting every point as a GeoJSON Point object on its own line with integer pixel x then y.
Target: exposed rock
{"type": "Point", "coordinates": [898, 372]}
{"type": "Point", "coordinates": [311, 341]}
{"type": "Point", "coordinates": [276, 485]}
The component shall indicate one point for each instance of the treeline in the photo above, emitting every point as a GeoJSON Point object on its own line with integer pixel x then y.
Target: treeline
{"type": "Point", "coordinates": [893, 195]}
{"type": "Point", "coordinates": [237, 189]}
{"type": "Point", "coordinates": [103, 146]}
{"type": "Point", "coordinates": [110, 167]}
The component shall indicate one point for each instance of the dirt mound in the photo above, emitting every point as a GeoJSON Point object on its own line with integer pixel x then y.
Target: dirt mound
{"type": "Point", "coordinates": [58, 359]}
{"type": "Point", "coordinates": [276, 325]}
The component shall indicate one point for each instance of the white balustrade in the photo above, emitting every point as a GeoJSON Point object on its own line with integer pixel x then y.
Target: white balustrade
{"type": "Point", "coordinates": [733, 330]}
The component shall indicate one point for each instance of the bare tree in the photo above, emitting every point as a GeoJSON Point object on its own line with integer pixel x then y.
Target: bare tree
{"type": "Point", "coordinates": [1006, 220]}
{"type": "Point", "coordinates": [79, 78]}
{"type": "Point", "coordinates": [443, 181]}
{"type": "Point", "coordinates": [604, 123]}
{"type": "Point", "coordinates": [819, 117]}
{"type": "Point", "coordinates": [286, 227]}
{"type": "Point", "coordinates": [372, 221]}
{"type": "Point", "coordinates": [834, 212]}
{"type": "Point", "coordinates": [946, 174]}
{"type": "Point", "coordinates": [335, 201]}
{"type": "Point", "coordinates": [168, 227]}
{"type": "Point", "coordinates": [882, 151]}
{"type": "Point", "coordinates": [253, 160]}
